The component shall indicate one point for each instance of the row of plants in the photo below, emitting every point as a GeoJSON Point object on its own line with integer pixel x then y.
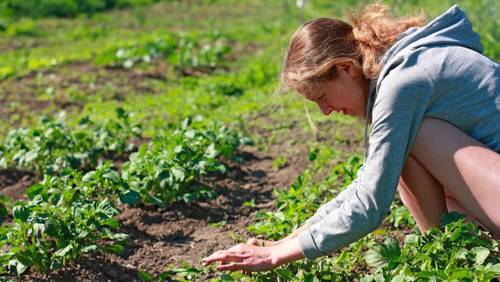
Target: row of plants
{"type": "Point", "coordinates": [187, 53]}
{"type": "Point", "coordinates": [71, 211]}
{"type": "Point", "coordinates": [53, 146]}
{"type": "Point", "coordinates": [62, 8]}
{"type": "Point", "coordinates": [301, 200]}
{"type": "Point", "coordinates": [166, 169]}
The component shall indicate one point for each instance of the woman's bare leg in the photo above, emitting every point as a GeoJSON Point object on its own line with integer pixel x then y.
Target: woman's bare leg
{"type": "Point", "coordinates": [444, 156]}
{"type": "Point", "coordinates": [430, 200]}
{"type": "Point", "coordinates": [422, 194]}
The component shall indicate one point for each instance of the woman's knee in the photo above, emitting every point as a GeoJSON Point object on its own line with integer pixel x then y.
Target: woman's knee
{"type": "Point", "coordinates": [405, 194]}
{"type": "Point", "coordinates": [415, 182]}
{"type": "Point", "coordinates": [403, 189]}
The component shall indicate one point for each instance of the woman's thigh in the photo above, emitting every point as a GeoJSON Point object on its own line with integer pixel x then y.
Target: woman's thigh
{"type": "Point", "coordinates": [469, 170]}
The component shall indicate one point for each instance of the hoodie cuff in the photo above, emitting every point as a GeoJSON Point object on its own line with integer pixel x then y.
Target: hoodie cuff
{"type": "Point", "coordinates": [308, 246]}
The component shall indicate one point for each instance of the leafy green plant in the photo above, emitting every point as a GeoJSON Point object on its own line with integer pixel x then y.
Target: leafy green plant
{"type": "Point", "coordinates": [5, 203]}
{"type": "Point", "coordinates": [279, 163]}
{"type": "Point", "coordinates": [24, 27]}
{"type": "Point", "coordinates": [54, 146]}
{"type": "Point", "coordinates": [293, 207]}
{"type": "Point", "coordinates": [459, 252]}
{"type": "Point", "coordinates": [114, 136]}
{"type": "Point", "coordinates": [302, 199]}
{"type": "Point", "coordinates": [349, 169]}
{"type": "Point", "coordinates": [165, 170]}
{"type": "Point", "coordinates": [101, 183]}
{"type": "Point", "coordinates": [400, 216]}
{"type": "Point", "coordinates": [47, 147]}
{"type": "Point", "coordinates": [188, 54]}
{"type": "Point", "coordinates": [224, 86]}
{"type": "Point", "coordinates": [195, 55]}
{"type": "Point", "coordinates": [3, 25]}
{"type": "Point", "coordinates": [138, 53]}
{"type": "Point", "coordinates": [65, 218]}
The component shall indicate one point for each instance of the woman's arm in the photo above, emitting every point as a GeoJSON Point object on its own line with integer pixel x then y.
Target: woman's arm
{"type": "Point", "coordinates": [397, 114]}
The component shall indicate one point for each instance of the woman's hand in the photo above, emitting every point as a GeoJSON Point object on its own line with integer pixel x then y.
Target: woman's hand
{"type": "Point", "coordinates": [246, 257]}
{"type": "Point", "coordinates": [250, 257]}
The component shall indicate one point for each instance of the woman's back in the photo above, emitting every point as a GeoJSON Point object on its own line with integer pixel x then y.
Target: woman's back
{"type": "Point", "coordinates": [466, 92]}
{"type": "Point", "coordinates": [462, 83]}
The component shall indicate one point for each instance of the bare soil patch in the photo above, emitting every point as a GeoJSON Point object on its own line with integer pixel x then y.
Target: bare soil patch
{"type": "Point", "coordinates": [13, 183]}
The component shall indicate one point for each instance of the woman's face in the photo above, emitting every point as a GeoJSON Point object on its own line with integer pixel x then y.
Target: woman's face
{"type": "Point", "coordinates": [346, 93]}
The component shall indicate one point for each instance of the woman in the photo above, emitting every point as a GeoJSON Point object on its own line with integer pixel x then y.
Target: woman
{"type": "Point", "coordinates": [433, 101]}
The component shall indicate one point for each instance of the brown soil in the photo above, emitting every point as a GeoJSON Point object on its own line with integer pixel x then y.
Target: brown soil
{"type": "Point", "coordinates": [70, 86]}
{"type": "Point", "coordinates": [13, 183]}
{"type": "Point", "coordinates": [185, 232]}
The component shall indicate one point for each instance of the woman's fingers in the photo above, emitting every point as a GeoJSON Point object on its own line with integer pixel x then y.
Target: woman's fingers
{"type": "Point", "coordinates": [245, 257]}
{"type": "Point", "coordinates": [213, 257]}
{"type": "Point", "coordinates": [235, 253]}
{"type": "Point", "coordinates": [226, 256]}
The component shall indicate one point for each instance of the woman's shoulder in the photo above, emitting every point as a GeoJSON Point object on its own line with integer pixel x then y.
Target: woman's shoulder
{"type": "Point", "coordinates": [439, 65]}
{"type": "Point", "coordinates": [454, 62]}
{"type": "Point", "coordinates": [405, 72]}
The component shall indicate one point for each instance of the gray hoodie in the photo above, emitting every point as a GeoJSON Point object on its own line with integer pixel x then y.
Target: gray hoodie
{"type": "Point", "coordinates": [436, 71]}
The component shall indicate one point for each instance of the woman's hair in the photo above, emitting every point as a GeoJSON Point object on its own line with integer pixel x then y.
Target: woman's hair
{"type": "Point", "coordinates": [319, 44]}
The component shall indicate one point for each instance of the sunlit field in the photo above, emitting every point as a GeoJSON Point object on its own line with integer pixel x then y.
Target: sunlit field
{"type": "Point", "coordinates": [139, 136]}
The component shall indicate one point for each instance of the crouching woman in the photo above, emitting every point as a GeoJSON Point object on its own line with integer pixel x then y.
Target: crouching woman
{"type": "Point", "coordinates": [433, 102]}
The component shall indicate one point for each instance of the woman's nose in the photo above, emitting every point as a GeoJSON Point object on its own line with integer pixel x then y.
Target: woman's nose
{"type": "Point", "coordinates": [325, 108]}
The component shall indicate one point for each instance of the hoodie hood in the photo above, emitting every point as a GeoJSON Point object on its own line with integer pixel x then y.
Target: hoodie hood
{"type": "Point", "coordinates": [452, 28]}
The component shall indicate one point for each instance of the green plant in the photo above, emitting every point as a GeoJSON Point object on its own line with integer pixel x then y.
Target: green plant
{"type": "Point", "coordinates": [53, 145]}
{"type": "Point", "coordinates": [138, 53]}
{"type": "Point", "coordinates": [188, 54]}
{"type": "Point", "coordinates": [165, 170]}
{"type": "Point", "coordinates": [302, 199]}
{"type": "Point", "coordinates": [279, 163]}
{"type": "Point", "coordinates": [65, 218]}
{"type": "Point", "coordinates": [5, 203]}
{"type": "Point", "coordinates": [459, 252]}
{"type": "Point", "coordinates": [195, 54]}
{"type": "Point", "coordinates": [400, 216]}
{"type": "Point", "coordinates": [63, 8]}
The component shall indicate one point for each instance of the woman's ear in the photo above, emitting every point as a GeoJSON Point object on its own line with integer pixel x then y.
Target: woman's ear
{"type": "Point", "coordinates": [348, 68]}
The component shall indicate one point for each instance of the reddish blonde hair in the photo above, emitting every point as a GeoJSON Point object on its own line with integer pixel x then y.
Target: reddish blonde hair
{"type": "Point", "coordinates": [319, 44]}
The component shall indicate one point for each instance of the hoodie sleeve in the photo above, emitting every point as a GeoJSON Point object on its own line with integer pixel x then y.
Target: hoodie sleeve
{"type": "Point", "coordinates": [399, 108]}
